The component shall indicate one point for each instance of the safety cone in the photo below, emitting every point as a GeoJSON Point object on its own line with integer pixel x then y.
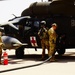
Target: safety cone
{"type": "Point", "coordinates": [5, 56]}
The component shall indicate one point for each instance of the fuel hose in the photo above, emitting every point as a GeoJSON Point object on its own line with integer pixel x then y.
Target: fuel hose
{"type": "Point", "coordinates": [8, 70]}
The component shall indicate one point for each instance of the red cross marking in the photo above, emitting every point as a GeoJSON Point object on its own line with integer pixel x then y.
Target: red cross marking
{"type": "Point", "coordinates": [33, 41]}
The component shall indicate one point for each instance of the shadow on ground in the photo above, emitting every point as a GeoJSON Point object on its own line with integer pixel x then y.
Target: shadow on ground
{"type": "Point", "coordinates": [33, 57]}
{"type": "Point", "coordinates": [70, 57]}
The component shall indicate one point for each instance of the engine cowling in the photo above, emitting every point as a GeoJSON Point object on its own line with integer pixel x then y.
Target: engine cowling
{"type": "Point", "coordinates": [64, 7]}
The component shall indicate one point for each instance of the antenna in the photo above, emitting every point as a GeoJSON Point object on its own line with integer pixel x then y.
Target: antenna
{"type": "Point", "coordinates": [14, 15]}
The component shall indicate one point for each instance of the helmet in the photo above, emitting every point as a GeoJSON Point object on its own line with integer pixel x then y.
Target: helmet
{"type": "Point", "coordinates": [43, 22]}
{"type": "Point", "coordinates": [54, 24]}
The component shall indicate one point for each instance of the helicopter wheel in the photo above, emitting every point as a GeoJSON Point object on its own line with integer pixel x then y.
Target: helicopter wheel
{"type": "Point", "coordinates": [19, 53]}
{"type": "Point", "coordinates": [61, 51]}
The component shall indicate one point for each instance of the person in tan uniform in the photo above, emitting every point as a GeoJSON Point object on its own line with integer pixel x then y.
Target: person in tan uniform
{"type": "Point", "coordinates": [0, 47]}
{"type": "Point", "coordinates": [52, 41]}
{"type": "Point", "coordinates": [43, 34]}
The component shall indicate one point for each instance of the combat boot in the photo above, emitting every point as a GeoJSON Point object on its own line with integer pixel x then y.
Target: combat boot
{"type": "Point", "coordinates": [52, 59]}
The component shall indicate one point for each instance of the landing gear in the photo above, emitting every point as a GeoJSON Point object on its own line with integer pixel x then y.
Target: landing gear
{"type": "Point", "coordinates": [61, 44]}
{"type": "Point", "coordinates": [19, 53]}
{"type": "Point", "coordinates": [61, 51]}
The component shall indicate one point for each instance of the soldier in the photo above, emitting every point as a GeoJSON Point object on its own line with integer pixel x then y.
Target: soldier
{"type": "Point", "coordinates": [43, 34]}
{"type": "Point", "coordinates": [0, 46]}
{"type": "Point", "coordinates": [52, 41]}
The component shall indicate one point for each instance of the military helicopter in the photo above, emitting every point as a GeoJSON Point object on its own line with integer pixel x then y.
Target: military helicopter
{"type": "Point", "coordinates": [61, 12]}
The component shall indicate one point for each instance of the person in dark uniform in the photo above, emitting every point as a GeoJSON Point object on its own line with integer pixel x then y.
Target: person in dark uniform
{"type": "Point", "coordinates": [43, 34]}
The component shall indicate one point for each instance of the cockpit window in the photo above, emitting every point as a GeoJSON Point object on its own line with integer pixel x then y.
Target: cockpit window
{"type": "Point", "coordinates": [28, 23]}
{"type": "Point", "coordinates": [36, 24]}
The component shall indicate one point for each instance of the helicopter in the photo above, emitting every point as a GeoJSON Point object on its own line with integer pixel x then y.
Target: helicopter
{"type": "Point", "coordinates": [60, 12]}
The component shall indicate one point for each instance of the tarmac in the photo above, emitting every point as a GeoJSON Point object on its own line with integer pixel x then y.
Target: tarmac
{"type": "Point", "coordinates": [32, 58]}
{"type": "Point", "coordinates": [64, 66]}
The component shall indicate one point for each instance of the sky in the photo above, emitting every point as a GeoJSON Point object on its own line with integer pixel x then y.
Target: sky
{"type": "Point", "coordinates": [9, 7]}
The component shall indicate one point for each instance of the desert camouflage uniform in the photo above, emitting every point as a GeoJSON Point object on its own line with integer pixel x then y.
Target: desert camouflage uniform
{"type": "Point", "coordinates": [52, 42]}
{"type": "Point", "coordinates": [43, 34]}
{"type": "Point", "coordinates": [1, 44]}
